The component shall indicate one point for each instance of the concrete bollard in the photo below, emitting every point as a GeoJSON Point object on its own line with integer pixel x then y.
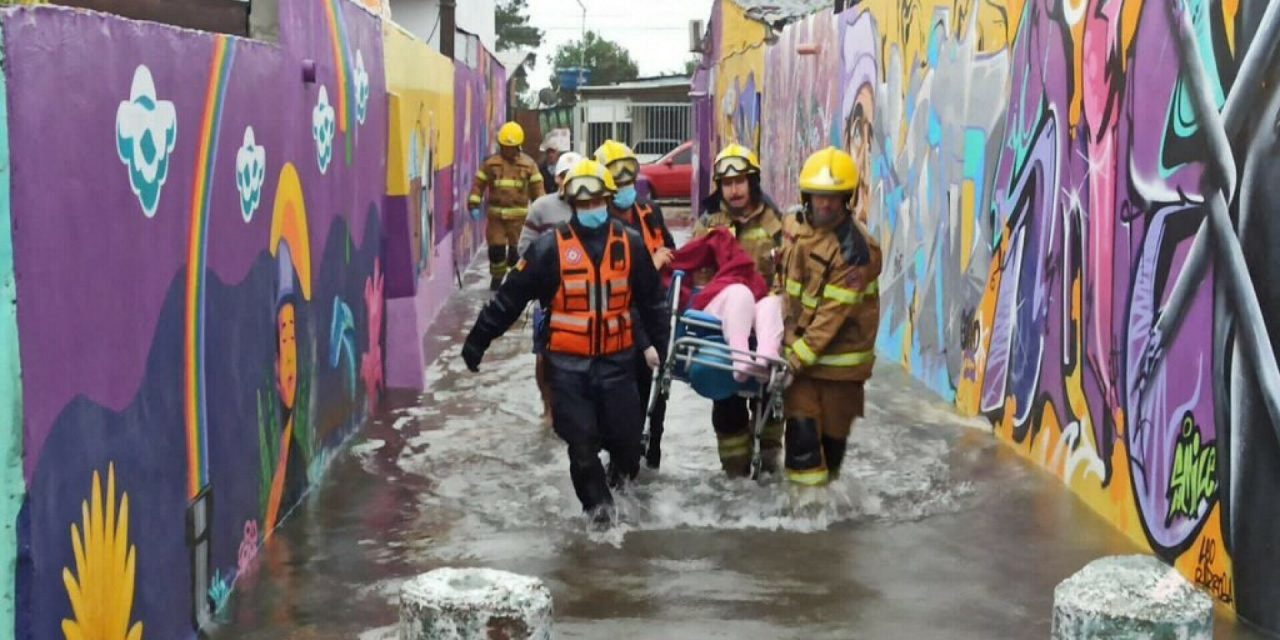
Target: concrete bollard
{"type": "Point", "coordinates": [460, 604]}
{"type": "Point", "coordinates": [1130, 597]}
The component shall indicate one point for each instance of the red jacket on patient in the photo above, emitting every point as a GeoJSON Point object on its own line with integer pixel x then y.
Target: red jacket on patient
{"type": "Point", "coordinates": [717, 250]}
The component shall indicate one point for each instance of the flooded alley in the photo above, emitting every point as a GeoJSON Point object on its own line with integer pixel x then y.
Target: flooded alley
{"type": "Point", "coordinates": [935, 530]}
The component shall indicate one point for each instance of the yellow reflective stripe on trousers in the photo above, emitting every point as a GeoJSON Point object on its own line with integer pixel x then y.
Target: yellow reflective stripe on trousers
{"type": "Point", "coordinates": [504, 183]}
{"type": "Point", "coordinates": [474, 199]}
{"type": "Point", "coordinates": [811, 478]}
{"type": "Point", "coordinates": [851, 359]}
{"type": "Point", "coordinates": [509, 212]}
{"type": "Point", "coordinates": [849, 296]}
{"type": "Point", "coordinates": [803, 352]}
{"type": "Point", "coordinates": [734, 446]}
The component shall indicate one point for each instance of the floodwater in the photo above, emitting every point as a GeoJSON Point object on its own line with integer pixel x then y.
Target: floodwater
{"type": "Point", "coordinates": [935, 530]}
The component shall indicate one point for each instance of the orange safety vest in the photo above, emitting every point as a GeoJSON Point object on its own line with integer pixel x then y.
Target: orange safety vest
{"type": "Point", "coordinates": [649, 230]}
{"type": "Point", "coordinates": [591, 313]}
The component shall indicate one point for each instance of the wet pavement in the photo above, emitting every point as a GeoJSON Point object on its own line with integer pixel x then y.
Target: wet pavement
{"type": "Point", "coordinates": [935, 530]}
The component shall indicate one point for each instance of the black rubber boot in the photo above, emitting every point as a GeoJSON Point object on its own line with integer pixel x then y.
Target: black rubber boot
{"type": "Point", "coordinates": [833, 450]}
{"type": "Point", "coordinates": [653, 457]}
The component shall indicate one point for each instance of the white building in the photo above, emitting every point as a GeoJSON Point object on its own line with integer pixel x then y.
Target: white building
{"type": "Point", "coordinates": [475, 17]}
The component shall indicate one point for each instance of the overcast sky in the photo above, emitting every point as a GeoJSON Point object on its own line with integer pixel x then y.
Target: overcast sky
{"type": "Point", "coordinates": [656, 32]}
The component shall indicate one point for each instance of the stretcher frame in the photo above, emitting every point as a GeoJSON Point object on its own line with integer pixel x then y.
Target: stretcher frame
{"type": "Point", "coordinates": [763, 399]}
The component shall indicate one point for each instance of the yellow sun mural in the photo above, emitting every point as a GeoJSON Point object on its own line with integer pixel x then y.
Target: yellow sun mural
{"type": "Point", "coordinates": [101, 590]}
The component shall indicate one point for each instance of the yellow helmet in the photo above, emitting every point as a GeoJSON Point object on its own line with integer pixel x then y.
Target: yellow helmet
{"type": "Point", "coordinates": [586, 180]}
{"type": "Point", "coordinates": [735, 160]}
{"type": "Point", "coordinates": [620, 160]}
{"type": "Point", "coordinates": [829, 171]}
{"type": "Point", "coordinates": [511, 135]}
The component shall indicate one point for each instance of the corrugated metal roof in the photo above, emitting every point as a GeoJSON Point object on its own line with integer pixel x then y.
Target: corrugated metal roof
{"type": "Point", "coordinates": [781, 12]}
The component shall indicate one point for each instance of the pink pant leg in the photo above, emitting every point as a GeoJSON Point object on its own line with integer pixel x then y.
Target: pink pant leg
{"type": "Point", "coordinates": [736, 308]}
{"type": "Point", "coordinates": [769, 327]}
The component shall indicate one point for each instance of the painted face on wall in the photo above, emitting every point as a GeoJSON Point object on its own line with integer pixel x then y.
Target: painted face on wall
{"type": "Point", "coordinates": [736, 191]}
{"type": "Point", "coordinates": [286, 354]}
{"type": "Point", "coordinates": [857, 139]}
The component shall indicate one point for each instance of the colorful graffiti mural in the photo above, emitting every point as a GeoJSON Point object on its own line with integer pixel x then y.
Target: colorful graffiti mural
{"type": "Point", "coordinates": [1070, 247]}
{"type": "Point", "coordinates": [179, 387]}
{"type": "Point", "coordinates": [441, 113]}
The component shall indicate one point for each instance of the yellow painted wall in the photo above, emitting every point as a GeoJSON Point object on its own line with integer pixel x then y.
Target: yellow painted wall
{"type": "Point", "coordinates": [420, 82]}
{"type": "Point", "coordinates": [739, 66]}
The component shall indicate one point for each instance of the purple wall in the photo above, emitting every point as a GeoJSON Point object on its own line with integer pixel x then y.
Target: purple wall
{"type": "Point", "coordinates": [106, 193]}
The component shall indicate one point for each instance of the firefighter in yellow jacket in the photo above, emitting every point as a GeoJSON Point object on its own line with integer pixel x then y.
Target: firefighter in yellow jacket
{"type": "Point", "coordinates": [512, 180]}
{"type": "Point", "coordinates": [830, 269]}
{"type": "Point", "coordinates": [740, 206]}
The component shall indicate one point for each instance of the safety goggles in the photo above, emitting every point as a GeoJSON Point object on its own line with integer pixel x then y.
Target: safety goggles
{"type": "Point", "coordinates": [625, 170]}
{"type": "Point", "coordinates": [584, 188]}
{"type": "Point", "coordinates": [733, 166]}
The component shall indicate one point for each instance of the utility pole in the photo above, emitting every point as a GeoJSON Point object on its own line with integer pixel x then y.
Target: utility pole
{"type": "Point", "coordinates": [448, 27]}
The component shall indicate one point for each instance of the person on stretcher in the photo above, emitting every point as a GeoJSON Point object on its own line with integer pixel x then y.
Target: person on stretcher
{"type": "Point", "coordinates": [736, 294]}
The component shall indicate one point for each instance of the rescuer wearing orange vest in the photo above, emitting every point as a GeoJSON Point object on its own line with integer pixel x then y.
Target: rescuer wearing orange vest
{"type": "Point", "coordinates": [512, 180]}
{"type": "Point", "coordinates": [597, 281]}
{"type": "Point", "coordinates": [645, 218]}
{"type": "Point", "coordinates": [830, 268]}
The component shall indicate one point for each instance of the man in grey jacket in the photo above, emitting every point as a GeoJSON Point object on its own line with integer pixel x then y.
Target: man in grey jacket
{"type": "Point", "coordinates": [544, 214]}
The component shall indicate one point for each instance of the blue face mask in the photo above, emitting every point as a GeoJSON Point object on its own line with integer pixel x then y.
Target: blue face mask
{"type": "Point", "coordinates": [593, 218]}
{"type": "Point", "coordinates": [625, 197]}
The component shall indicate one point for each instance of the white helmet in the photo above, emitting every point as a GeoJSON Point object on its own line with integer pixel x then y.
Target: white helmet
{"type": "Point", "coordinates": [566, 162]}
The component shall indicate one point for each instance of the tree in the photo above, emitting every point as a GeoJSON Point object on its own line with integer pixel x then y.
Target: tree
{"type": "Point", "coordinates": [608, 61]}
{"type": "Point", "coordinates": [511, 21]}
{"type": "Point", "coordinates": [514, 31]}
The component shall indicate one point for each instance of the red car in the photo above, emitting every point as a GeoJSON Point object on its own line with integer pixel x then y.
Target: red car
{"type": "Point", "coordinates": [670, 177]}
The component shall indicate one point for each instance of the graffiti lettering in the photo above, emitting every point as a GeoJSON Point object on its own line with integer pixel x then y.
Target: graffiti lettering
{"type": "Point", "coordinates": [1193, 479]}
{"type": "Point", "coordinates": [970, 330]}
{"type": "Point", "coordinates": [1218, 584]}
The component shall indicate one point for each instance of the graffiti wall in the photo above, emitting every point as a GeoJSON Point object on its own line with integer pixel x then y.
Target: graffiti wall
{"type": "Point", "coordinates": [418, 250]}
{"type": "Point", "coordinates": [480, 108]}
{"type": "Point", "coordinates": [196, 242]}
{"type": "Point", "coordinates": [733, 80]}
{"type": "Point", "coordinates": [1071, 248]}
{"type": "Point", "coordinates": [802, 102]}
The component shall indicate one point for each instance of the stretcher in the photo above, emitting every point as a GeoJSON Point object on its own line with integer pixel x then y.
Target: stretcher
{"type": "Point", "coordinates": [700, 356]}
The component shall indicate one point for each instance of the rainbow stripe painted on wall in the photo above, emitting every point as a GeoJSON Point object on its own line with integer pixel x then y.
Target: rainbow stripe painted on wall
{"type": "Point", "coordinates": [343, 67]}
{"type": "Point", "coordinates": [195, 411]}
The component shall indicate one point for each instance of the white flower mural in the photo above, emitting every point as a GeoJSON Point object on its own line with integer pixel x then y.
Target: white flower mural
{"type": "Point", "coordinates": [323, 121]}
{"type": "Point", "coordinates": [361, 79]}
{"type": "Point", "coordinates": [251, 173]}
{"type": "Point", "coordinates": [146, 130]}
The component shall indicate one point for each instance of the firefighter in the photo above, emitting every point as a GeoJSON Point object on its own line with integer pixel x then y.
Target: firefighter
{"type": "Point", "coordinates": [513, 181]}
{"type": "Point", "coordinates": [545, 213]}
{"type": "Point", "coordinates": [740, 206]}
{"type": "Point", "coordinates": [596, 279]}
{"type": "Point", "coordinates": [645, 217]}
{"type": "Point", "coordinates": [830, 268]}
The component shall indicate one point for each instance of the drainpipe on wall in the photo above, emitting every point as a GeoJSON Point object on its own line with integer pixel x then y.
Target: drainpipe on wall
{"type": "Point", "coordinates": [448, 26]}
